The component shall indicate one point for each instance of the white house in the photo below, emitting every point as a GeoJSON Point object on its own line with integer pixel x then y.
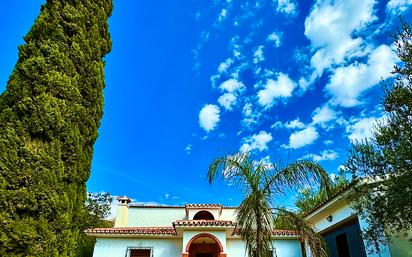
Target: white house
{"type": "Point", "coordinates": [193, 230]}
{"type": "Point", "coordinates": [209, 230]}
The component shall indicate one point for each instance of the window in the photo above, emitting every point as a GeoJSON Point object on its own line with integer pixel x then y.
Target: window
{"type": "Point", "coordinates": [203, 215]}
{"type": "Point", "coordinates": [139, 252]}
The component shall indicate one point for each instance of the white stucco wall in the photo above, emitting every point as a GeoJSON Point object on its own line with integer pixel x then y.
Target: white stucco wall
{"type": "Point", "coordinates": [108, 247]}
{"type": "Point", "coordinates": [154, 217]}
{"type": "Point", "coordinates": [283, 248]}
{"type": "Point", "coordinates": [228, 214]}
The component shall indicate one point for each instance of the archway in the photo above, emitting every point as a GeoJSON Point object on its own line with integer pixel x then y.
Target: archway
{"type": "Point", "coordinates": [204, 245]}
{"type": "Point", "coordinates": [203, 215]}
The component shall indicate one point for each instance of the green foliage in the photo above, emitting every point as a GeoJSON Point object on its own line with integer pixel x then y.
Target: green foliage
{"type": "Point", "coordinates": [97, 210]}
{"type": "Point", "coordinates": [262, 184]}
{"type": "Point", "coordinates": [385, 161]}
{"type": "Point", "coordinates": [49, 116]}
{"type": "Point", "coordinates": [309, 197]}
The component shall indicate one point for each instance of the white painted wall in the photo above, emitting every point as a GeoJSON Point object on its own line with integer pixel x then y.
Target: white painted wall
{"type": "Point", "coordinates": [283, 248]}
{"type": "Point", "coordinates": [228, 214]}
{"type": "Point", "coordinates": [109, 247]}
{"type": "Point", "coordinates": [155, 217]}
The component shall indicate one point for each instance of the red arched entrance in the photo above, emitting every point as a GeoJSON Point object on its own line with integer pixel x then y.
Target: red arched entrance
{"type": "Point", "coordinates": [204, 245]}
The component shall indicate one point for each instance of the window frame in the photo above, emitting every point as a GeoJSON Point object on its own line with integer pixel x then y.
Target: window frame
{"type": "Point", "coordinates": [130, 248]}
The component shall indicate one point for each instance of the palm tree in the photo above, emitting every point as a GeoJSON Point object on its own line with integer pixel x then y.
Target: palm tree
{"type": "Point", "coordinates": [261, 184]}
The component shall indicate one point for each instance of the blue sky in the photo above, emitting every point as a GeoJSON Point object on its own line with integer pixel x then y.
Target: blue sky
{"type": "Point", "coordinates": [188, 81]}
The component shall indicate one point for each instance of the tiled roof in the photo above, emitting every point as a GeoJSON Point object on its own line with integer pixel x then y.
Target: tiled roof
{"type": "Point", "coordinates": [277, 232]}
{"type": "Point", "coordinates": [133, 231]}
{"type": "Point", "coordinates": [203, 205]}
{"type": "Point", "coordinates": [154, 206]}
{"type": "Point", "coordinates": [204, 223]}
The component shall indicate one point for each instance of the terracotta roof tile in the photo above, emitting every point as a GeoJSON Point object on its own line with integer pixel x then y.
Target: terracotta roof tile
{"type": "Point", "coordinates": [203, 205]}
{"type": "Point", "coordinates": [133, 230]}
{"type": "Point", "coordinates": [204, 223]}
{"type": "Point", "coordinates": [277, 232]}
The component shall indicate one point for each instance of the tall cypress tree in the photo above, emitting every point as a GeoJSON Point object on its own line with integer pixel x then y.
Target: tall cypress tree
{"type": "Point", "coordinates": [49, 117]}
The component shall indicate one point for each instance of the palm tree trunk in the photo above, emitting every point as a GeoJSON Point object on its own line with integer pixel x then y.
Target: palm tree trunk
{"type": "Point", "coordinates": [258, 250]}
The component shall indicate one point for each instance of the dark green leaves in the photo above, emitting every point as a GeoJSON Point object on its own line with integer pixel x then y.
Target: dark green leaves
{"type": "Point", "coordinates": [49, 116]}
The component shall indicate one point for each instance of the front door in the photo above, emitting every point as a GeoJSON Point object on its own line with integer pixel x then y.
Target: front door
{"type": "Point", "coordinates": [204, 255]}
{"type": "Point", "coordinates": [346, 240]}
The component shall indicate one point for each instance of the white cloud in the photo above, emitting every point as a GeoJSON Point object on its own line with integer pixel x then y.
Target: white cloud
{"type": "Point", "coordinates": [331, 26]}
{"type": "Point", "coordinates": [232, 85]}
{"type": "Point", "coordinates": [278, 124]}
{"type": "Point", "coordinates": [256, 142]}
{"type": "Point", "coordinates": [322, 115]}
{"type": "Point", "coordinates": [209, 117]}
{"type": "Point", "coordinates": [295, 124]}
{"type": "Point", "coordinates": [222, 15]}
{"type": "Point", "coordinates": [302, 138]}
{"type": "Point", "coordinates": [250, 116]}
{"type": "Point", "coordinates": [397, 7]}
{"type": "Point", "coordinates": [323, 156]}
{"type": "Point", "coordinates": [348, 83]}
{"type": "Point", "coordinates": [227, 100]}
{"type": "Point", "coordinates": [258, 55]}
{"type": "Point", "coordinates": [361, 128]}
{"type": "Point", "coordinates": [274, 38]}
{"type": "Point", "coordinates": [188, 149]}
{"type": "Point", "coordinates": [224, 66]}
{"type": "Point", "coordinates": [286, 6]}
{"type": "Point", "coordinates": [328, 142]}
{"type": "Point", "coordinates": [282, 87]}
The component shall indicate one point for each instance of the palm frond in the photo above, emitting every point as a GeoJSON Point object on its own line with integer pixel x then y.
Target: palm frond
{"type": "Point", "coordinates": [293, 221]}
{"type": "Point", "coordinates": [297, 175]}
{"type": "Point", "coordinates": [255, 224]}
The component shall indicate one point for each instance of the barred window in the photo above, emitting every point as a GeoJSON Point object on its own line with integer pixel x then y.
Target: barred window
{"type": "Point", "coordinates": [139, 252]}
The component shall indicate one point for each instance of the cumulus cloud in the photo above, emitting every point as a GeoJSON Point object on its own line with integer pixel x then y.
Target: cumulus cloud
{"type": "Point", "coordinates": [361, 129]}
{"type": "Point", "coordinates": [302, 138]}
{"type": "Point", "coordinates": [323, 156]}
{"type": "Point", "coordinates": [322, 115]}
{"type": "Point", "coordinates": [232, 85]}
{"type": "Point", "coordinates": [397, 7]}
{"type": "Point", "coordinates": [224, 66]}
{"type": "Point", "coordinates": [288, 7]}
{"type": "Point", "coordinates": [256, 142]}
{"type": "Point", "coordinates": [293, 124]}
{"type": "Point", "coordinates": [280, 88]}
{"type": "Point", "coordinates": [274, 38]}
{"type": "Point", "coordinates": [348, 83]}
{"type": "Point", "coordinates": [258, 55]}
{"type": "Point", "coordinates": [296, 123]}
{"type": "Point", "coordinates": [209, 117]}
{"type": "Point", "coordinates": [233, 88]}
{"type": "Point", "coordinates": [331, 26]}
{"type": "Point", "coordinates": [227, 100]}
{"type": "Point", "coordinates": [250, 116]}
